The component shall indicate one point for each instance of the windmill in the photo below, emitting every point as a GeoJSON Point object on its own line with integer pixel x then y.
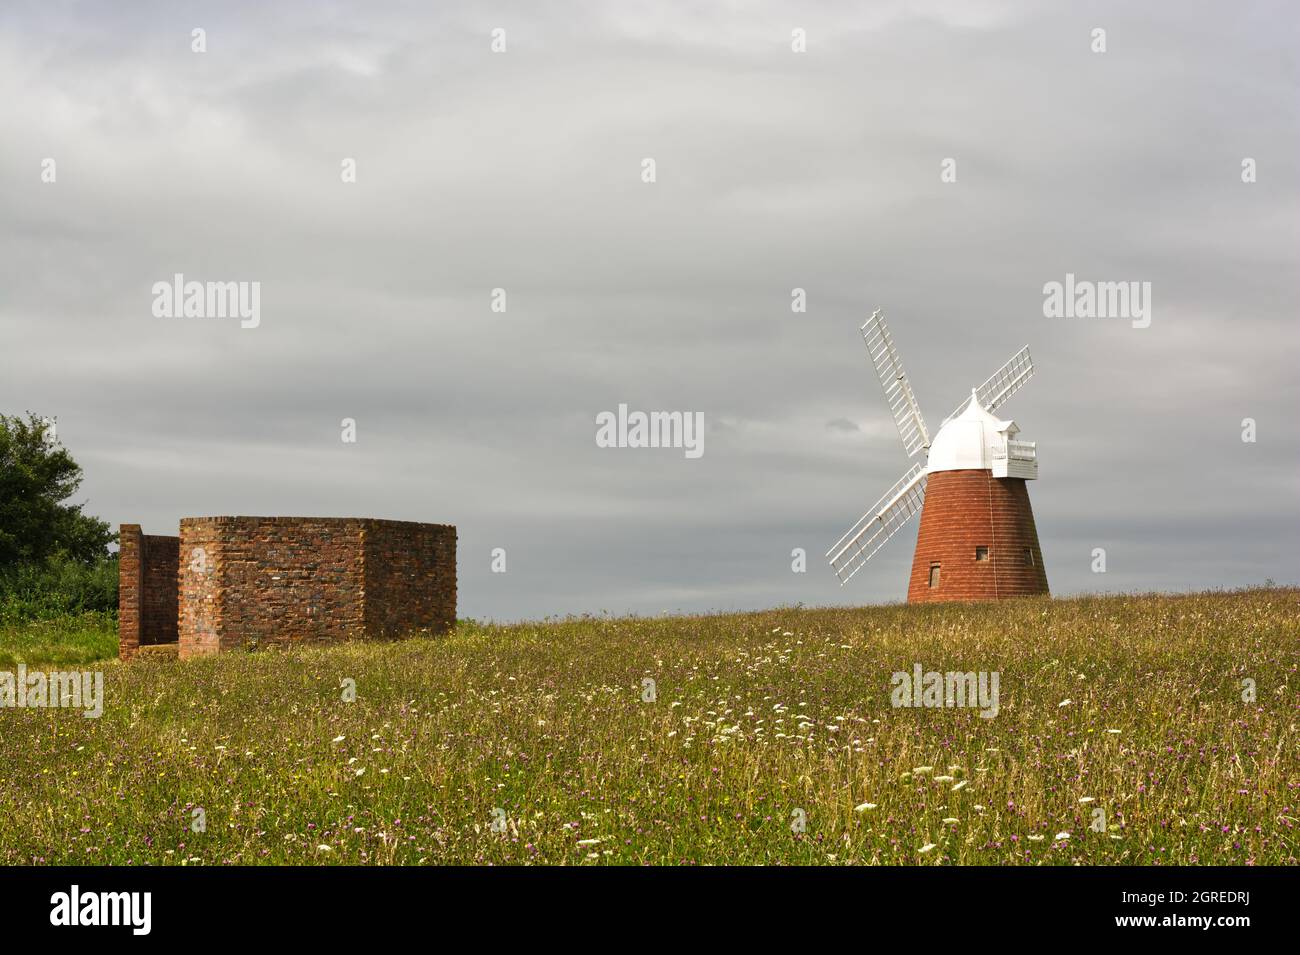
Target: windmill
{"type": "Point", "coordinates": [977, 539]}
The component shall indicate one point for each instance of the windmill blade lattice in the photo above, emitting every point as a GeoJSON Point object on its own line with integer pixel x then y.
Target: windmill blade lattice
{"type": "Point", "coordinates": [898, 392]}
{"type": "Point", "coordinates": [1003, 383]}
{"type": "Point", "coordinates": [885, 519]}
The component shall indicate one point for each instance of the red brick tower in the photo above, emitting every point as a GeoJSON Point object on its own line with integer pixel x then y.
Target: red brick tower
{"type": "Point", "coordinates": [977, 539]}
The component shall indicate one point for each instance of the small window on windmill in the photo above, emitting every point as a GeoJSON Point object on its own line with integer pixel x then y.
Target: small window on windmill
{"type": "Point", "coordinates": [1029, 557]}
{"type": "Point", "coordinates": [934, 575]}
{"type": "Point", "coordinates": [981, 553]}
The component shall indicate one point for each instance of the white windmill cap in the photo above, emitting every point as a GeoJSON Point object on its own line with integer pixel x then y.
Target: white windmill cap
{"type": "Point", "coordinates": [968, 439]}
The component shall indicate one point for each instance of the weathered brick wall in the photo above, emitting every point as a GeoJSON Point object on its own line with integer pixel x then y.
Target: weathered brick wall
{"type": "Point", "coordinates": [410, 577]}
{"type": "Point", "coordinates": [147, 589]}
{"type": "Point", "coordinates": [128, 590]}
{"type": "Point", "coordinates": [278, 580]}
{"type": "Point", "coordinates": [200, 587]}
{"type": "Point", "coordinates": [159, 569]}
{"type": "Point", "coordinates": [968, 509]}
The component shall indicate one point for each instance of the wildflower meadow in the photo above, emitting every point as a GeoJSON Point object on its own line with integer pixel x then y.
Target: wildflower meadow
{"type": "Point", "coordinates": [1146, 730]}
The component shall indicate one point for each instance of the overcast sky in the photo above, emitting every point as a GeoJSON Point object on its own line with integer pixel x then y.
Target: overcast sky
{"type": "Point", "coordinates": [774, 169]}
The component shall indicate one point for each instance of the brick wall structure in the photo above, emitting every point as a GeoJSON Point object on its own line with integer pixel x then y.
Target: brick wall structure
{"type": "Point", "coordinates": [970, 509]}
{"type": "Point", "coordinates": [410, 577]}
{"type": "Point", "coordinates": [147, 600]}
{"type": "Point", "coordinates": [239, 581]}
{"type": "Point", "coordinates": [285, 580]}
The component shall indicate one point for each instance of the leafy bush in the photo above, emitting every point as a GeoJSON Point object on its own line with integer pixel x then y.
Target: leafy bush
{"type": "Point", "coordinates": [57, 588]}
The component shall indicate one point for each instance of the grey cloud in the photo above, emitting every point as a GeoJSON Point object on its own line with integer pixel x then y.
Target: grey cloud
{"type": "Point", "coordinates": [776, 171]}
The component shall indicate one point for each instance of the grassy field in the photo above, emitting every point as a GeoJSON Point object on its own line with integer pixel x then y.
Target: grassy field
{"type": "Point", "coordinates": [63, 641]}
{"type": "Point", "coordinates": [1130, 705]}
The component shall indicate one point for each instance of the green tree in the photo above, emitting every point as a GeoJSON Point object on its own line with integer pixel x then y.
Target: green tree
{"type": "Point", "coordinates": [36, 476]}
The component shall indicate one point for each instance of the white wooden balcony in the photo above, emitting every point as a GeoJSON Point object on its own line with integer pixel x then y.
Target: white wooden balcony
{"type": "Point", "coordinates": [1016, 459]}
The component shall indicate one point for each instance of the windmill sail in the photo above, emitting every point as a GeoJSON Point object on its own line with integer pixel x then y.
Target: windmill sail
{"type": "Point", "coordinates": [1003, 383]}
{"type": "Point", "coordinates": [879, 524]}
{"type": "Point", "coordinates": [898, 392]}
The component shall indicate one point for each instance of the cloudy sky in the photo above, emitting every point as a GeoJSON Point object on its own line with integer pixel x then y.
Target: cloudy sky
{"type": "Point", "coordinates": [775, 170]}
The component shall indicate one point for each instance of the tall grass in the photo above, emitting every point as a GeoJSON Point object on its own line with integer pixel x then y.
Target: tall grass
{"type": "Point", "coordinates": [58, 641]}
{"type": "Point", "coordinates": [61, 612]}
{"type": "Point", "coordinates": [1131, 705]}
